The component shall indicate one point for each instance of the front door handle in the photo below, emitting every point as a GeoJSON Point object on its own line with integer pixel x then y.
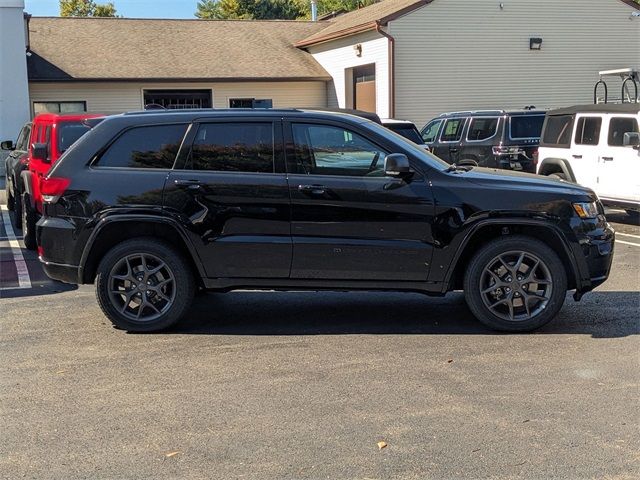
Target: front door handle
{"type": "Point", "coordinates": [576, 156]}
{"type": "Point", "coordinates": [313, 189]}
{"type": "Point", "coordinates": [453, 150]}
{"type": "Point", "coordinates": [190, 184]}
{"type": "Point", "coordinates": [607, 159]}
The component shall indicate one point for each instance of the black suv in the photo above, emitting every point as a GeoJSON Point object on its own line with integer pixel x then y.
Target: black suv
{"type": "Point", "coordinates": [488, 138]}
{"type": "Point", "coordinates": [151, 206]}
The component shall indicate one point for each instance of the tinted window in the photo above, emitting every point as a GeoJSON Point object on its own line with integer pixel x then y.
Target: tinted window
{"type": "Point", "coordinates": [618, 126]}
{"type": "Point", "coordinates": [452, 131]}
{"type": "Point", "coordinates": [233, 147]}
{"type": "Point", "coordinates": [558, 130]}
{"type": "Point", "coordinates": [23, 139]}
{"type": "Point", "coordinates": [145, 147]}
{"type": "Point", "coordinates": [407, 130]}
{"type": "Point", "coordinates": [430, 131]}
{"type": "Point", "coordinates": [526, 126]}
{"type": "Point", "coordinates": [482, 128]}
{"type": "Point", "coordinates": [588, 130]}
{"type": "Point", "coordinates": [68, 133]}
{"type": "Point", "coordinates": [329, 150]}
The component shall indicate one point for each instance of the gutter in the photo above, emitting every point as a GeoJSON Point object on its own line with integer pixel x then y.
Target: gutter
{"type": "Point", "coordinates": [392, 68]}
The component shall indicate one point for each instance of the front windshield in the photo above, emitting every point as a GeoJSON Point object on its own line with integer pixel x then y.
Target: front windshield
{"type": "Point", "coordinates": [416, 150]}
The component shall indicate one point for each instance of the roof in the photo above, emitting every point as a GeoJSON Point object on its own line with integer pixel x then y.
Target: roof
{"type": "Point", "coordinates": [152, 49]}
{"type": "Point", "coordinates": [598, 108]}
{"type": "Point", "coordinates": [362, 20]}
{"type": "Point", "coordinates": [368, 18]}
{"type": "Point", "coordinates": [492, 113]}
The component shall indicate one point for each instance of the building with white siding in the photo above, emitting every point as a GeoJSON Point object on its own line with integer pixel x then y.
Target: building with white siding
{"type": "Point", "coordinates": [409, 59]}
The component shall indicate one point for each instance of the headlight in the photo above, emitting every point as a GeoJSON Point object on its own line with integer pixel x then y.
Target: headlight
{"type": "Point", "coordinates": [586, 209]}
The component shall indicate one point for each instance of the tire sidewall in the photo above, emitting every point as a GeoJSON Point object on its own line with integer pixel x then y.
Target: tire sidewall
{"type": "Point", "coordinates": [184, 284]}
{"type": "Point", "coordinates": [17, 212]}
{"type": "Point", "coordinates": [502, 245]}
{"type": "Point", "coordinates": [28, 223]}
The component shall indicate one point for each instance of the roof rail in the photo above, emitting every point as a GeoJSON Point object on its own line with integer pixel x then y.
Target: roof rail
{"type": "Point", "coordinates": [471, 112]}
{"type": "Point", "coordinates": [628, 76]}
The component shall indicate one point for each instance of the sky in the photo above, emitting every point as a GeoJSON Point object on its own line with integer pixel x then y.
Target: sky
{"type": "Point", "coordinates": [126, 8]}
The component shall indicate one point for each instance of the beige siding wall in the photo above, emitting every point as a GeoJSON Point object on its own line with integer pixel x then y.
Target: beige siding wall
{"type": "Point", "coordinates": [339, 55]}
{"type": "Point", "coordinates": [117, 97]}
{"type": "Point", "coordinates": [462, 54]}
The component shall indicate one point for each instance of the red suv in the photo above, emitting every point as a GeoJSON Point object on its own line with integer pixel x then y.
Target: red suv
{"type": "Point", "coordinates": [51, 135]}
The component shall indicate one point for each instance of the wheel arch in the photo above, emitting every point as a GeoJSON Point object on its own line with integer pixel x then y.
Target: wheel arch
{"type": "Point", "coordinates": [27, 186]}
{"type": "Point", "coordinates": [112, 231]}
{"type": "Point", "coordinates": [486, 231]}
{"type": "Point", "coordinates": [556, 165]}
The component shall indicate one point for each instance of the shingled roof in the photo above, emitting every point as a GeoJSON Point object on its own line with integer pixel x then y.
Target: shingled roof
{"type": "Point", "coordinates": [131, 49]}
{"type": "Point", "coordinates": [362, 20]}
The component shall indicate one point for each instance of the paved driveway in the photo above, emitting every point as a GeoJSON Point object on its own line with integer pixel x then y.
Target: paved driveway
{"type": "Point", "coordinates": [304, 385]}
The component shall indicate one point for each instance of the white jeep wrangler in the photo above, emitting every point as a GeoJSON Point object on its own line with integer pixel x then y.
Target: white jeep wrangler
{"type": "Point", "coordinates": [597, 146]}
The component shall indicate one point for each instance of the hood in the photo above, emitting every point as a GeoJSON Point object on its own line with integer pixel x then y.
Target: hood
{"type": "Point", "coordinates": [498, 178]}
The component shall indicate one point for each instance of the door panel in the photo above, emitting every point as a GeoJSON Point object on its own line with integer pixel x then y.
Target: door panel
{"type": "Point", "coordinates": [235, 202]}
{"type": "Point", "coordinates": [354, 223]}
{"type": "Point", "coordinates": [619, 166]}
{"type": "Point", "coordinates": [587, 142]}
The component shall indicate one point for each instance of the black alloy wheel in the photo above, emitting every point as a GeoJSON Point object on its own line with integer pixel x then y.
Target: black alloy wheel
{"type": "Point", "coordinates": [515, 283]}
{"type": "Point", "coordinates": [144, 285]}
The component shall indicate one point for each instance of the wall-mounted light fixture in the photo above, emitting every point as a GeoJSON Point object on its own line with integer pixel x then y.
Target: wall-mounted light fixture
{"type": "Point", "coordinates": [358, 49]}
{"type": "Point", "coordinates": [535, 43]}
{"type": "Point", "coordinates": [501, 5]}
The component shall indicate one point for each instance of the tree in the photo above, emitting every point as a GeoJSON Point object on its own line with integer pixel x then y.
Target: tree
{"type": "Point", "coordinates": [272, 9]}
{"type": "Point", "coordinates": [86, 8]}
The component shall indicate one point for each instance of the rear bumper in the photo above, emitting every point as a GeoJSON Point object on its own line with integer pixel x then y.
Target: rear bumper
{"type": "Point", "coordinates": [61, 272]}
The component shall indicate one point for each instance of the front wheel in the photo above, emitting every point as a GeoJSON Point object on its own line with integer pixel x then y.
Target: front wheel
{"type": "Point", "coordinates": [28, 223]}
{"type": "Point", "coordinates": [144, 285]}
{"type": "Point", "coordinates": [515, 284]}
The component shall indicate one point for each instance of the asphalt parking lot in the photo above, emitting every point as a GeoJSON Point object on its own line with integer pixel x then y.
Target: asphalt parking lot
{"type": "Point", "coordinates": [263, 385]}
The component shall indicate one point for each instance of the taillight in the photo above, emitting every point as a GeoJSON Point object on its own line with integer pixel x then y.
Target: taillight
{"type": "Point", "coordinates": [52, 188]}
{"type": "Point", "coordinates": [535, 156]}
{"type": "Point", "coordinates": [40, 251]}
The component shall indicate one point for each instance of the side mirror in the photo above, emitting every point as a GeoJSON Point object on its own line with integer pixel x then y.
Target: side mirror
{"type": "Point", "coordinates": [397, 165]}
{"type": "Point", "coordinates": [40, 151]}
{"type": "Point", "coordinates": [7, 145]}
{"type": "Point", "coordinates": [631, 139]}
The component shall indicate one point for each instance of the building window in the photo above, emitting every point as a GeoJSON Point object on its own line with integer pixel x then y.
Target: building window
{"type": "Point", "coordinates": [177, 99]}
{"type": "Point", "coordinates": [250, 103]}
{"type": "Point", "coordinates": [59, 107]}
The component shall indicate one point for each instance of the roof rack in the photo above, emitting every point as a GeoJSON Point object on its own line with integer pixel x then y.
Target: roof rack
{"type": "Point", "coordinates": [471, 112]}
{"type": "Point", "coordinates": [629, 76]}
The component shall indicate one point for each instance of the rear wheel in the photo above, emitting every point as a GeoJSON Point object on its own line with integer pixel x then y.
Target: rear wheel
{"type": "Point", "coordinates": [559, 175]}
{"type": "Point", "coordinates": [28, 223]}
{"type": "Point", "coordinates": [144, 285]}
{"type": "Point", "coordinates": [515, 284]}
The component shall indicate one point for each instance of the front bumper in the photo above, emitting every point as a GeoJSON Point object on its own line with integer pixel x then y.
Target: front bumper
{"type": "Point", "coordinates": [594, 254]}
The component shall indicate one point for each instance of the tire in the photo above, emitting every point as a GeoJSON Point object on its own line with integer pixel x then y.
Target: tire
{"type": "Point", "coordinates": [17, 212]}
{"type": "Point", "coordinates": [10, 200]}
{"type": "Point", "coordinates": [28, 223]}
{"type": "Point", "coordinates": [489, 287]}
{"type": "Point", "coordinates": [121, 269]}
{"type": "Point", "coordinates": [559, 175]}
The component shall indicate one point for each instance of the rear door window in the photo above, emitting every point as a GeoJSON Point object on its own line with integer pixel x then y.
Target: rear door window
{"type": "Point", "coordinates": [233, 147]}
{"type": "Point", "coordinates": [588, 130]}
{"type": "Point", "coordinates": [618, 126]}
{"type": "Point", "coordinates": [557, 132]}
{"type": "Point", "coordinates": [153, 146]}
{"type": "Point", "coordinates": [525, 126]}
{"type": "Point", "coordinates": [430, 131]}
{"type": "Point", "coordinates": [482, 128]}
{"type": "Point", "coordinates": [452, 131]}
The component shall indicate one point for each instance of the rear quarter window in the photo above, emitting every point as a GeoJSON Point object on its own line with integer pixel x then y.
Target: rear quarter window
{"type": "Point", "coordinates": [557, 131]}
{"type": "Point", "coordinates": [154, 146]}
{"type": "Point", "coordinates": [525, 126]}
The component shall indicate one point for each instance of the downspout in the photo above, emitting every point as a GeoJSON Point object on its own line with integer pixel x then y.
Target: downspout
{"type": "Point", "coordinates": [392, 80]}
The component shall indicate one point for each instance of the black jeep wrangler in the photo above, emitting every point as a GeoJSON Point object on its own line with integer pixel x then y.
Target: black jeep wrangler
{"type": "Point", "coordinates": [150, 206]}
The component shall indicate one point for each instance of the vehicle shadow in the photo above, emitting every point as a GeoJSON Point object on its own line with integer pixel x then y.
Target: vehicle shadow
{"type": "Point", "coordinates": [38, 289]}
{"type": "Point", "coordinates": [599, 314]}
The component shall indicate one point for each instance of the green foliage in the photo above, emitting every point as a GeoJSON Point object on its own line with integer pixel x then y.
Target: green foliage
{"type": "Point", "coordinates": [272, 9]}
{"type": "Point", "coordinates": [86, 8]}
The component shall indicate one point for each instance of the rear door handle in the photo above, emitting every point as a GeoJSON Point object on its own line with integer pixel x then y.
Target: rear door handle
{"type": "Point", "coordinates": [576, 156]}
{"type": "Point", "coordinates": [191, 184]}
{"type": "Point", "coordinates": [313, 189]}
{"type": "Point", "coordinates": [607, 159]}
